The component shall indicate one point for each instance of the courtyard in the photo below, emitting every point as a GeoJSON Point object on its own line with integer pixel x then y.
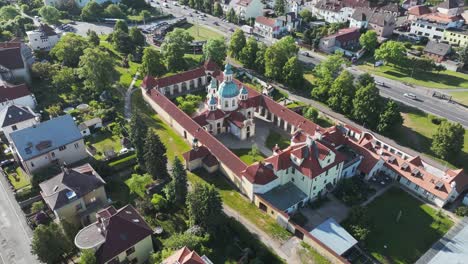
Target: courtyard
{"type": "Point", "coordinates": [402, 227]}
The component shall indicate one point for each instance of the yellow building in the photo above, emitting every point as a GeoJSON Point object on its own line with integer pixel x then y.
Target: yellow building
{"type": "Point", "coordinates": [458, 37]}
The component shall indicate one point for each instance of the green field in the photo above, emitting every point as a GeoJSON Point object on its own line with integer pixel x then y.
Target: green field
{"type": "Point", "coordinates": [407, 239]}
{"type": "Point", "coordinates": [444, 79]}
{"type": "Point", "coordinates": [461, 97]}
{"type": "Point", "coordinates": [199, 32]}
{"type": "Point", "coordinates": [244, 155]}
{"type": "Point", "coordinates": [103, 141]}
{"type": "Point", "coordinates": [276, 138]}
{"type": "Point", "coordinates": [18, 178]}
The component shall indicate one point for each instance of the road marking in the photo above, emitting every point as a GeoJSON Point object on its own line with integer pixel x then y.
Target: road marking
{"type": "Point", "coordinates": [13, 208]}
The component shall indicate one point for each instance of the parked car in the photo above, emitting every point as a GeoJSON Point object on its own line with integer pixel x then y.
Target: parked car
{"type": "Point", "coordinates": [215, 23]}
{"type": "Point", "coordinates": [7, 162]}
{"type": "Point", "coordinates": [410, 96]}
{"type": "Point", "coordinates": [305, 53]}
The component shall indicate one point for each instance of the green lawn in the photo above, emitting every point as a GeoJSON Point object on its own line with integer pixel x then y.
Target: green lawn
{"type": "Point", "coordinates": [199, 32]}
{"type": "Point", "coordinates": [444, 79]}
{"type": "Point", "coordinates": [417, 131]}
{"type": "Point", "coordinates": [244, 155]}
{"type": "Point", "coordinates": [104, 140]}
{"type": "Point", "coordinates": [308, 255]}
{"type": "Point", "coordinates": [461, 97]}
{"type": "Point", "coordinates": [406, 240]}
{"type": "Point", "coordinates": [18, 178]}
{"type": "Point", "coordinates": [276, 138]}
{"type": "Point", "coordinates": [176, 146]}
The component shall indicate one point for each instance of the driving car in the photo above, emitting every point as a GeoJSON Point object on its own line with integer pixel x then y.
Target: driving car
{"type": "Point", "coordinates": [380, 83]}
{"type": "Point", "coordinates": [410, 96]}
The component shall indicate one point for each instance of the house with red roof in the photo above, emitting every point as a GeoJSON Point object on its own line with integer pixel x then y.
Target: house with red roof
{"type": "Point", "coordinates": [117, 236]}
{"type": "Point", "coordinates": [186, 256]}
{"type": "Point", "coordinates": [16, 94]}
{"type": "Point", "coordinates": [15, 60]}
{"type": "Point", "coordinates": [345, 40]}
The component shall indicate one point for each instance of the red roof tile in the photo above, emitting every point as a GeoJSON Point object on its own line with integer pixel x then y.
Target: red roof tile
{"type": "Point", "coordinates": [237, 119]}
{"type": "Point", "coordinates": [270, 22]}
{"type": "Point", "coordinates": [419, 10]}
{"type": "Point", "coordinates": [194, 154]}
{"type": "Point", "coordinates": [184, 256]}
{"type": "Point", "coordinates": [10, 55]}
{"type": "Point", "coordinates": [12, 92]}
{"type": "Point", "coordinates": [210, 161]}
{"type": "Point", "coordinates": [150, 82]}
{"type": "Point", "coordinates": [258, 173]}
{"type": "Point", "coordinates": [210, 65]}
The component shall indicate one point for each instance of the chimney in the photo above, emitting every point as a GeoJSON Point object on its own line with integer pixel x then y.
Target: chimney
{"type": "Point", "coordinates": [65, 168]}
{"type": "Point", "coordinates": [195, 144]}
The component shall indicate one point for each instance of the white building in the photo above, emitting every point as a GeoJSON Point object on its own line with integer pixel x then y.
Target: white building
{"type": "Point", "coordinates": [14, 117]}
{"type": "Point", "coordinates": [245, 9]}
{"type": "Point", "coordinates": [16, 94]}
{"type": "Point", "coordinates": [433, 30]}
{"type": "Point", "coordinates": [79, 3]}
{"type": "Point", "coordinates": [331, 11]}
{"type": "Point", "coordinates": [55, 141]}
{"type": "Point", "coordinates": [43, 38]}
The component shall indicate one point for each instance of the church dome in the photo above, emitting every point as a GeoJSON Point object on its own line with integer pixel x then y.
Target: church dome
{"type": "Point", "coordinates": [244, 90]}
{"type": "Point", "coordinates": [228, 90]}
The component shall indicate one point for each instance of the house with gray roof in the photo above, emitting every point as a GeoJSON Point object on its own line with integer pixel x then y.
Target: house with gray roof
{"type": "Point", "coordinates": [16, 117]}
{"type": "Point", "coordinates": [75, 194]}
{"type": "Point", "coordinates": [55, 141]}
{"type": "Point", "coordinates": [370, 18]}
{"type": "Point", "coordinates": [437, 51]}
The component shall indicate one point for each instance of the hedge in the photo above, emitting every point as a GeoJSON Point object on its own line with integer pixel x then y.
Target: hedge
{"type": "Point", "coordinates": [123, 163]}
{"type": "Point", "coordinates": [121, 156]}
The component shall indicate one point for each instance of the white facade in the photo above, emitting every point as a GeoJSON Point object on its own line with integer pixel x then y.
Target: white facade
{"type": "Point", "coordinates": [432, 30]}
{"type": "Point", "coordinates": [252, 10]}
{"type": "Point", "coordinates": [333, 16]}
{"type": "Point", "coordinates": [143, 251]}
{"type": "Point", "coordinates": [40, 41]}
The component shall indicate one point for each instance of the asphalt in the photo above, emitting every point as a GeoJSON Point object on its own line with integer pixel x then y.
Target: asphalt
{"type": "Point", "coordinates": [393, 89]}
{"type": "Point", "coordinates": [15, 234]}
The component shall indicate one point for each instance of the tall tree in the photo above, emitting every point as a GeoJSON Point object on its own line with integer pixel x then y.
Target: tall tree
{"type": "Point", "coordinates": [463, 54]}
{"type": "Point", "coordinates": [87, 257]}
{"type": "Point", "coordinates": [391, 52]}
{"type": "Point", "coordinates": [260, 58]}
{"type": "Point", "coordinates": [8, 12]}
{"type": "Point", "coordinates": [50, 236]}
{"type": "Point", "coordinates": [204, 206]}
{"type": "Point", "coordinates": [448, 140]}
{"type": "Point", "coordinates": [280, 7]}
{"type": "Point", "coordinates": [92, 11]}
{"type": "Point", "coordinates": [173, 49]}
{"type": "Point", "coordinates": [138, 183]}
{"type": "Point", "coordinates": [366, 106]}
{"type": "Point", "coordinates": [331, 67]}
{"type": "Point", "coordinates": [93, 37]}
{"type": "Point", "coordinates": [179, 176]}
{"type": "Point", "coordinates": [50, 14]}
{"type": "Point", "coordinates": [231, 16]}
{"type": "Point", "coordinates": [114, 11]}
{"type": "Point", "coordinates": [155, 156]}
{"type": "Point", "coordinates": [138, 132]}
{"type": "Point", "coordinates": [311, 114]}
{"type": "Point", "coordinates": [69, 49]}
{"type": "Point", "coordinates": [63, 79]}
{"type": "Point", "coordinates": [152, 63]}
{"type": "Point", "coordinates": [342, 93]}
{"type": "Point", "coordinates": [237, 43]}
{"type": "Point", "coordinates": [217, 10]}
{"type": "Point", "coordinates": [248, 54]}
{"type": "Point", "coordinates": [97, 69]}
{"type": "Point", "coordinates": [136, 36]}
{"type": "Point", "coordinates": [390, 118]}
{"type": "Point", "coordinates": [121, 25]}
{"type": "Point", "coordinates": [369, 41]}
{"type": "Point", "coordinates": [365, 79]}
{"type": "Point", "coordinates": [215, 49]}
{"type": "Point", "coordinates": [275, 59]}
{"type": "Point", "coordinates": [293, 73]}
{"type": "Point", "coordinates": [306, 15]}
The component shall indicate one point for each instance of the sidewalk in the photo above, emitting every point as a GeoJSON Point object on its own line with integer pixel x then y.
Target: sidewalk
{"type": "Point", "coordinates": [128, 97]}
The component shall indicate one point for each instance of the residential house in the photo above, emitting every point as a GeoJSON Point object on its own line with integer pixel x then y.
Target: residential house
{"type": "Point", "coordinates": [43, 38]}
{"type": "Point", "coordinates": [15, 60]}
{"type": "Point", "coordinates": [418, 11]}
{"type": "Point", "coordinates": [16, 117]}
{"type": "Point", "coordinates": [269, 27]}
{"type": "Point", "coordinates": [457, 37]}
{"type": "Point", "coordinates": [290, 21]}
{"type": "Point", "coordinates": [186, 256]}
{"type": "Point", "coordinates": [79, 3]}
{"type": "Point", "coordinates": [437, 51]}
{"type": "Point", "coordinates": [75, 194]}
{"type": "Point", "coordinates": [382, 23]}
{"type": "Point", "coordinates": [244, 9]}
{"type": "Point", "coordinates": [54, 141]}
{"type": "Point", "coordinates": [433, 26]}
{"type": "Point", "coordinates": [346, 40]}
{"type": "Point", "coordinates": [407, 4]}
{"type": "Point", "coordinates": [90, 125]}
{"type": "Point", "coordinates": [294, 6]}
{"type": "Point", "coordinates": [118, 236]}
{"type": "Point", "coordinates": [15, 94]}
{"type": "Point", "coordinates": [332, 11]}
{"type": "Point", "coordinates": [451, 8]}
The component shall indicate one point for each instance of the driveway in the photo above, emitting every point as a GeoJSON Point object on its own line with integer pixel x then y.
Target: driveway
{"type": "Point", "coordinates": [101, 29]}
{"type": "Point", "coordinates": [15, 234]}
{"type": "Point", "coordinates": [332, 208]}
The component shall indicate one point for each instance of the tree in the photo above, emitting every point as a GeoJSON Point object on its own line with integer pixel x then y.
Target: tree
{"type": "Point", "coordinates": [369, 41]}
{"type": "Point", "coordinates": [152, 63]}
{"type": "Point", "coordinates": [50, 236]}
{"type": "Point", "coordinates": [248, 53]}
{"type": "Point", "coordinates": [65, 77]}
{"type": "Point", "coordinates": [280, 7]}
{"type": "Point", "coordinates": [306, 15]}
{"type": "Point", "coordinates": [155, 156]}
{"type": "Point", "coordinates": [121, 25]}
{"type": "Point", "coordinates": [93, 38]}
{"type": "Point", "coordinates": [138, 183]}
{"type": "Point", "coordinates": [145, 14]}
{"type": "Point", "coordinates": [331, 67]}
{"type": "Point", "coordinates": [122, 41]}
{"type": "Point", "coordinates": [179, 177]}
{"type": "Point", "coordinates": [366, 106]}
{"type": "Point", "coordinates": [447, 142]}
{"type": "Point", "coordinates": [365, 79]}
{"type": "Point", "coordinates": [87, 257]}
{"type": "Point", "coordinates": [359, 232]}
{"type": "Point", "coordinates": [159, 202]}
{"type": "Point", "coordinates": [69, 49]}
{"type": "Point", "coordinates": [260, 58]}
{"type": "Point", "coordinates": [237, 43]}
{"type": "Point", "coordinates": [204, 205]}
{"type": "Point", "coordinates": [390, 118]}
{"type": "Point", "coordinates": [138, 132]}
{"type": "Point", "coordinates": [391, 52]}
{"type": "Point", "coordinates": [463, 54]}
{"type": "Point", "coordinates": [8, 12]}
{"type": "Point", "coordinates": [113, 11]}
{"type": "Point", "coordinates": [217, 10]}
{"type": "Point", "coordinates": [92, 11]}
{"type": "Point", "coordinates": [173, 49]}
{"type": "Point", "coordinates": [136, 37]}
{"type": "Point", "coordinates": [293, 73]}
{"type": "Point", "coordinates": [37, 207]}
{"type": "Point", "coordinates": [215, 49]}
{"type": "Point", "coordinates": [44, 70]}
{"type": "Point", "coordinates": [231, 16]}
{"type": "Point", "coordinates": [70, 229]}
{"type": "Point", "coordinates": [186, 239]}
{"type": "Point", "coordinates": [50, 14]}
{"type": "Point", "coordinates": [97, 69]}
{"type": "Point", "coordinates": [275, 59]}
{"type": "Point", "coordinates": [342, 93]}
{"type": "Point", "coordinates": [311, 114]}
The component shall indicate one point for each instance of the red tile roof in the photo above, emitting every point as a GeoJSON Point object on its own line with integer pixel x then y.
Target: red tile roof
{"type": "Point", "coordinates": [419, 10]}
{"type": "Point", "coordinates": [184, 256]}
{"type": "Point", "coordinates": [210, 65]}
{"type": "Point", "coordinates": [258, 173]}
{"type": "Point", "coordinates": [10, 55]}
{"type": "Point", "coordinates": [194, 154]}
{"type": "Point", "coordinates": [237, 119]}
{"type": "Point", "coordinates": [270, 22]}
{"type": "Point", "coordinates": [150, 82]}
{"type": "Point", "coordinates": [345, 34]}
{"type": "Point", "coordinates": [12, 92]}
{"type": "Point", "coordinates": [210, 161]}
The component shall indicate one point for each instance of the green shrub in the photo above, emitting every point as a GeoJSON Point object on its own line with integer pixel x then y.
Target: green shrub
{"type": "Point", "coordinates": [435, 119]}
{"type": "Point", "coordinates": [37, 207]}
{"type": "Point", "coordinates": [462, 211]}
{"type": "Point", "coordinates": [123, 163]}
{"type": "Point", "coordinates": [26, 193]}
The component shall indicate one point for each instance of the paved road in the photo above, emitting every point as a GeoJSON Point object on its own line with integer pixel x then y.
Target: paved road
{"type": "Point", "coordinates": [393, 89]}
{"type": "Point", "coordinates": [15, 235]}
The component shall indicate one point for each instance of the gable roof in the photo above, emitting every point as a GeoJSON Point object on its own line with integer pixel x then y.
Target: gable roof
{"type": "Point", "coordinates": [419, 10]}
{"type": "Point", "coordinates": [11, 92]}
{"type": "Point", "coordinates": [150, 82]}
{"type": "Point", "coordinates": [345, 34]}
{"type": "Point", "coordinates": [258, 173]}
{"type": "Point", "coordinates": [14, 114]}
{"type": "Point", "coordinates": [184, 256]}
{"type": "Point", "coordinates": [334, 236]}
{"type": "Point", "coordinates": [44, 137]}
{"type": "Point", "coordinates": [437, 48]}
{"type": "Point", "coordinates": [10, 55]}
{"type": "Point", "coordinates": [270, 22]}
{"type": "Point", "coordinates": [449, 4]}
{"type": "Point", "coordinates": [69, 185]}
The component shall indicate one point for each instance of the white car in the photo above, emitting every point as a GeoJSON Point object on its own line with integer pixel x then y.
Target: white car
{"type": "Point", "coordinates": [410, 96]}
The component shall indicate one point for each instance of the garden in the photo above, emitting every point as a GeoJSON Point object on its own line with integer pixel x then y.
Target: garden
{"type": "Point", "coordinates": [353, 191]}
{"type": "Point", "coordinates": [249, 156]}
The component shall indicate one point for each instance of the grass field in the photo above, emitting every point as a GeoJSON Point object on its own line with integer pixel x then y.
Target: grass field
{"type": "Point", "coordinates": [276, 138]}
{"type": "Point", "coordinates": [444, 79]}
{"type": "Point", "coordinates": [461, 97]}
{"type": "Point", "coordinates": [308, 255]}
{"type": "Point", "coordinates": [199, 32]}
{"type": "Point", "coordinates": [104, 140]}
{"type": "Point", "coordinates": [18, 178]}
{"type": "Point", "coordinates": [244, 155]}
{"type": "Point", "coordinates": [406, 240]}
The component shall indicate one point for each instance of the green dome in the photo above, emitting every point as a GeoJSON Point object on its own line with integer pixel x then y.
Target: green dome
{"type": "Point", "coordinates": [228, 69]}
{"type": "Point", "coordinates": [228, 90]}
